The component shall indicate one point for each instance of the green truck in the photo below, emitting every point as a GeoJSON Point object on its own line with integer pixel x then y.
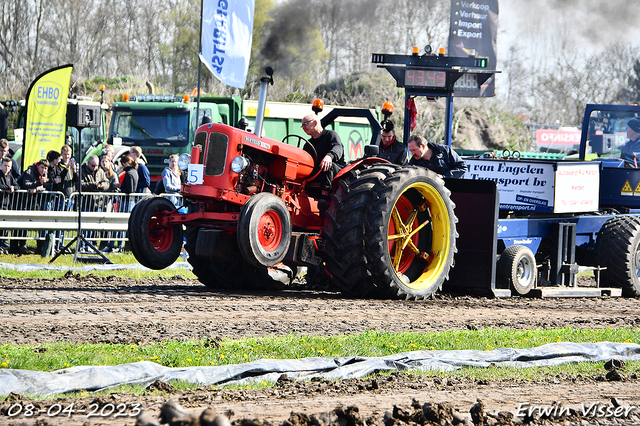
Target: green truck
{"type": "Point", "coordinates": [163, 125]}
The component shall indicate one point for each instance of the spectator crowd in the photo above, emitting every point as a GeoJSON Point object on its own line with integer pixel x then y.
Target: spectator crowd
{"type": "Point", "coordinates": [58, 174]}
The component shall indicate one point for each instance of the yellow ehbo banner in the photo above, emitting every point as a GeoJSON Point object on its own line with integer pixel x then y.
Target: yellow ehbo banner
{"type": "Point", "coordinates": [46, 122]}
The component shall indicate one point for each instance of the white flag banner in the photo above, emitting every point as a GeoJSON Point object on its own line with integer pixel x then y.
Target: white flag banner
{"type": "Point", "coordinates": [227, 27]}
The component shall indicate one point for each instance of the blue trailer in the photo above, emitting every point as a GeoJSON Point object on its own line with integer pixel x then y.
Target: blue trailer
{"type": "Point", "coordinates": [553, 217]}
{"type": "Point", "coordinates": [527, 226]}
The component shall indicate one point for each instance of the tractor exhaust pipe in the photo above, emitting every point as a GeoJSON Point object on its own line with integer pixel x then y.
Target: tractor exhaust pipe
{"type": "Point", "coordinates": [262, 100]}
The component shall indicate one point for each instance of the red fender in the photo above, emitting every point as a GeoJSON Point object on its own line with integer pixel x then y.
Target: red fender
{"type": "Point", "coordinates": [356, 165]}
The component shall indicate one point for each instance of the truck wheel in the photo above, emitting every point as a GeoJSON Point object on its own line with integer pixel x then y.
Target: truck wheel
{"type": "Point", "coordinates": [264, 230]}
{"type": "Point", "coordinates": [517, 269]}
{"type": "Point", "coordinates": [618, 249]}
{"type": "Point", "coordinates": [155, 246]}
{"type": "Point", "coordinates": [344, 234]}
{"type": "Point", "coordinates": [225, 275]}
{"type": "Point", "coordinates": [411, 233]}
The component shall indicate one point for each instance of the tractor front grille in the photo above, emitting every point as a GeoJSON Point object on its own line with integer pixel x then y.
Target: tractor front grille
{"type": "Point", "coordinates": [216, 154]}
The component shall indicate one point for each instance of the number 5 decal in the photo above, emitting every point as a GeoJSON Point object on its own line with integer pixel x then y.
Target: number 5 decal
{"type": "Point", "coordinates": [196, 173]}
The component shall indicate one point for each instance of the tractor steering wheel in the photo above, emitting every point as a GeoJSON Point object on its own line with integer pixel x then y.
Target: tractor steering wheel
{"type": "Point", "coordinates": [301, 139]}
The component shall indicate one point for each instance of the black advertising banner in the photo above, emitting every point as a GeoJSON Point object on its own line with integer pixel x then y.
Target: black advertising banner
{"type": "Point", "coordinates": [473, 31]}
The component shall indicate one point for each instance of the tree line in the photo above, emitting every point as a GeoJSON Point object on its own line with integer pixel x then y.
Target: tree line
{"type": "Point", "coordinates": [317, 48]}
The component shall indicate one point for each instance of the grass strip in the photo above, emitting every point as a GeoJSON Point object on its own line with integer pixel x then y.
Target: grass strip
{"type": "Point", "coordinates": [123, 258]}
{"type": "Point", "coordinates": [55, 356]}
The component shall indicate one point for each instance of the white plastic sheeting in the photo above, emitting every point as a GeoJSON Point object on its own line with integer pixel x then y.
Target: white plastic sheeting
{"type": "Point", "coordinates": [87, 268]}
{"type": "Point", "coordinates": [93, 378]}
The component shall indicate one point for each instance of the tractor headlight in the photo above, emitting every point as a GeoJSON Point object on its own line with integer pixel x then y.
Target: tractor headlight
{"type": "Point", "coordinates": [238, 164]}
{"type": "Point", "coordinates": [183, 161]}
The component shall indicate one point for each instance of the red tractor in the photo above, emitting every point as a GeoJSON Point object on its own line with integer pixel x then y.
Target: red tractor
{"type": "Point", "coordinates": [387, 231]}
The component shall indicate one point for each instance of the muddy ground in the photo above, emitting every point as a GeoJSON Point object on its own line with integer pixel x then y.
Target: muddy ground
{"type": "Point", "coordinates": [117, 310]}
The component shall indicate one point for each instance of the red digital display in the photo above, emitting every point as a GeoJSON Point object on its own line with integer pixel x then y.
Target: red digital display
{"type": "Point", "coordinates": [422, 78]}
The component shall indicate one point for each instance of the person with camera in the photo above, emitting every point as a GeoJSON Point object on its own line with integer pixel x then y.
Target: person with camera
{"type": "Point", "coordinates": [33, 180]}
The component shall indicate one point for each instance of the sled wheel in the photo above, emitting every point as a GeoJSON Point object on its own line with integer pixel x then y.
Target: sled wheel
{"type": "Point", "coordinates": [224, 275]}
{"type": "Point", "coordinates": [517, 269]}
{"type": "Point", "coordinates": [618, 249]}
{"type": "Point", "coordinates": [156, 245]}
{"type": "Point", "coordinates": [264, 230]}
{"type": "Point", "coordinates": [410, 233]}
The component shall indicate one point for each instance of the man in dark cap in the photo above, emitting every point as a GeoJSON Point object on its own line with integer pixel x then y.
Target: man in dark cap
{"type": "Point", "coordinates": [631, 150]}
{"type": "Point", "coordinates": [391, 149]}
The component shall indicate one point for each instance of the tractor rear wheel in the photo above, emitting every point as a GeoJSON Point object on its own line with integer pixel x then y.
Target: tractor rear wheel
{"type": "Point", "coordinates": [344, 253]}
{"type": "Point", "coordinates": [618, 249]}
{"type": "Point", "coordinates": [227, 275]}
{"type": "Point", "coordinates": [410, 233]}
{"type": "Point", "coordinates": [154, 244]}
{"type": "Point", "coordinates": [390, 232]}
{"type": "Point", "coordinates": [517, 269]}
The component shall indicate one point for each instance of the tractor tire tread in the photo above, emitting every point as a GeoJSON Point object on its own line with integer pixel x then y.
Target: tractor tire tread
{"type": "Point", "coordinates": [617, 243]}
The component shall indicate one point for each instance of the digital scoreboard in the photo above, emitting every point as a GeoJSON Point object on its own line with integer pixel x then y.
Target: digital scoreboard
{"type": "Point", "coordinates": [425, 78]}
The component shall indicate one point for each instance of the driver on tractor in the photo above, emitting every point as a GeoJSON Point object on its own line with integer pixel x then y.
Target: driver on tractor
{"type": "Point", "coordinates": [329, 156]}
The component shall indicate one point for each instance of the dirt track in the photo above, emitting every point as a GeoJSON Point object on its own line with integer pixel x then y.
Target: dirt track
{"type": "Point", "coordinates": [116, 310]}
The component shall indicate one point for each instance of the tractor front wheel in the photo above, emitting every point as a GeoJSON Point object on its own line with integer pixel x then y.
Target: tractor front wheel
{"type": "Point", "coordinates": [264, 230]}
{"type": "Point", "coordinates": [154, 243]}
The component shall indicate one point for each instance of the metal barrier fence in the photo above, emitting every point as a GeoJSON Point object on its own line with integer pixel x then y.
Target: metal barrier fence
{"type": "Point", "coordinates": [26, 216]}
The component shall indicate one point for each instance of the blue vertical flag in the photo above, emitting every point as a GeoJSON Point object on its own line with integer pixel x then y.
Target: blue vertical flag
{"type": "Point", "coordinates": [227, 27]}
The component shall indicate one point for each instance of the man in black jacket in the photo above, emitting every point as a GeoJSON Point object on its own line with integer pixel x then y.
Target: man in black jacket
{"type": "Point", "coordinates": [54, 202]}
{"type": "Point", "coordinates": [4, 152]}
{"type": "Point", "coordinates": [8, 185]}
{"type": "Point", "coordinates": [35, 177]}
{"type": "Point", "coordinates": [33, 180]}
{"type": "Point", "coordinates": [391, 149]}
{"type": "Point", "coordinates": [329, 153]}
{"type": "Point", "coordinates": [439, 158]}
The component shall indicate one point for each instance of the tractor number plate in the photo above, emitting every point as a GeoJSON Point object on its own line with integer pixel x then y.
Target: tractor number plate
{"type": "Point", "coordinates": [196, 174]}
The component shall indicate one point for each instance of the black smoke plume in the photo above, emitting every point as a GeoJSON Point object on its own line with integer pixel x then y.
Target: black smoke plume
{"type": "Point", "coordinates": [287, 36]}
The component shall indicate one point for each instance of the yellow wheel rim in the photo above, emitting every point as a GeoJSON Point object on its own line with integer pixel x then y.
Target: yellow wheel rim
{"type": "Point", "coordinates": [403, 236]}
